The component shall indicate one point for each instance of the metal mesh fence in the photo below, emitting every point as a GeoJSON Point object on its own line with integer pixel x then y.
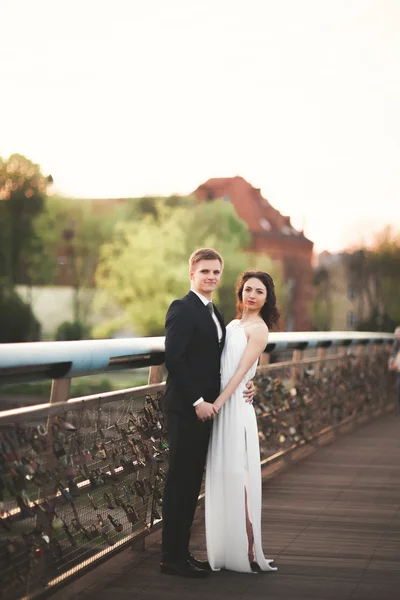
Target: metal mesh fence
{"type": "Point", "coordinates": [83, 478]}
{"type": "Point", "coordinates": [75, 486]}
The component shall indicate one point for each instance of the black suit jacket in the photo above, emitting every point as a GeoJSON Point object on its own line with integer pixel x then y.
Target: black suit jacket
{"type": "Point", "coordinates": [192, 354]}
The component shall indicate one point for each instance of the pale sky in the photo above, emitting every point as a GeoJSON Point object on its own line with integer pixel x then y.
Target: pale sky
{"type": "Point", "coordinates": [144, 97]}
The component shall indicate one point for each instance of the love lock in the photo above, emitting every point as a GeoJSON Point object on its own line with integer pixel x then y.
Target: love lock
{"type": "Point", "coordinates": [42, 433]}
{"type": "Point", "coordinates": [100, 452]}
{"type": "Point", "coordinates": [115, 523]}
{"type": "Point", "coordinates": [92, 501]}
{"type": "Point", "coordinates": [93, 532]}
{"type": "Point", "coordinates": [87, 455]}
{"type": "Point", "coordinates": [140, 489]}
{"type": "Point", "coordinates": [131, 514]}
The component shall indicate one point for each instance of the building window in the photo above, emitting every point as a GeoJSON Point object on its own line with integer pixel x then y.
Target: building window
{"type": "Point", "coordinates": [265, 224]}
{"type": "Point", "coordinates": [210, 195]}
{"type": "Point", "coordinates": [351, 319]}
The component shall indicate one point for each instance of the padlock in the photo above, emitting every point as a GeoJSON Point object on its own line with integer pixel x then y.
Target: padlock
{"type": "Point", "coordinates": [101, 453]}
{"type": "Point", "coordinates": [131, 513]}
{"type": "Point", "coordinates": [94, 532]}
{"type": "Point", "coordinates": [115, 523]}
{"type": "Point", "coordinates": [65, 427]}
{"type": "Point", "coordinates": [42, 433]}
{"type": "Point", "coordinates": [56, 523]}
{"type": "Point", "coordinates": [87, 455]}
{"type": "Point", "coordinates": [92, 501]}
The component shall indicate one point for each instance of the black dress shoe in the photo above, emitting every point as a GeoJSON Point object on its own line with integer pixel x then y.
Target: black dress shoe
{"type": "Point", "coordinates": [184, 569]}
{"type": "Point", "coordinates": [203, 565]}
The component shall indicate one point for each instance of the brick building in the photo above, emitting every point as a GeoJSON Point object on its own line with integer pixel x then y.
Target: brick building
{"type": "Point", "coordinates": [272, 234]}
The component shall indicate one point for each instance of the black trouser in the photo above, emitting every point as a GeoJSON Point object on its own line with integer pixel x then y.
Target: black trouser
{"type": "Point", "coordinates": [188, 443]}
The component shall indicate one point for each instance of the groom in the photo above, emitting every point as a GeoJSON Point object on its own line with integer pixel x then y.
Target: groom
{"type": "Point", "coordinates": [194, 339]}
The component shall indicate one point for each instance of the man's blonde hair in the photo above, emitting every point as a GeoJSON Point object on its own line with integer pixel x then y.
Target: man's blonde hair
{"type": "Point", "coordinates": [205, 254]}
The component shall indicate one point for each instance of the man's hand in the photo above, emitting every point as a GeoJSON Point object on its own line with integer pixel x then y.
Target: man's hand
{"type": "Point", "coordinates": [205, 411]}
{"type": "Point", "coordinates": [249, 392]}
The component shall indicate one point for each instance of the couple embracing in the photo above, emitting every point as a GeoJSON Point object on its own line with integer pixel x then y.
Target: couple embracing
{"type": "Point", "coordinates": [210, 420]}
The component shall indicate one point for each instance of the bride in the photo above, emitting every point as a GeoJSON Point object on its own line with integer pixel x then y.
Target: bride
{"type": "Point", "coordinates": [233, 472]}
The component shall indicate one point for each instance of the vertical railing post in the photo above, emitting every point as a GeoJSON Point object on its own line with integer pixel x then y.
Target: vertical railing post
{"type": "Point", "coordinates": [156, 374]}
{"type": "Point", "coordinates": [321, 354]}
{"type": "Point", "coordinates": [296, 357]}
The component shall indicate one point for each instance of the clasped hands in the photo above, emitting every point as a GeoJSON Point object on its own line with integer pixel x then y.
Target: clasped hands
{"type": "Point", "coordinates": [209, 410]}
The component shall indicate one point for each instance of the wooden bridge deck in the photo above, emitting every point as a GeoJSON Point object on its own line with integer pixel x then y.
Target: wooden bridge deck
{"type": "Point", "coordinates": [331, 521]}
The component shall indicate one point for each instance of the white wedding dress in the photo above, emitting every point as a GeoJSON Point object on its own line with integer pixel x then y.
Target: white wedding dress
{"type": "Point", "coordinates": [233, 465]}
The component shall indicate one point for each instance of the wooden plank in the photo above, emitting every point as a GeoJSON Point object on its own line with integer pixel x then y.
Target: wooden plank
{"type": "Point", "coordinates": [331, 521]}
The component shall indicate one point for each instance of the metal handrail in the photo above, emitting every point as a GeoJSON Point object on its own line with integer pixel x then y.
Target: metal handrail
{"type": "Point", "coordinates": [39, 361]}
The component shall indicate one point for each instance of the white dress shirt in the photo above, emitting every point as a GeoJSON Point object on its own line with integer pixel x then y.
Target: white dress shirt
{"type": "Point", "coordinates": [206, 301]}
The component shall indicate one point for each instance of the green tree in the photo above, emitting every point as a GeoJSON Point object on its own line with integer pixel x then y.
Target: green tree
{"type": "Point", "coordinates": [145, 265]}
{"type": "Point", "coordinates": [374, 274]}
{"type": "Point", "coordinates": [22, 196]}
{"type": "Point", "coordinates": [18, 323]}
{"type": "Point", "coordinates": [70, 232]}
{"type": "Point", "coordinates": [143, 269]}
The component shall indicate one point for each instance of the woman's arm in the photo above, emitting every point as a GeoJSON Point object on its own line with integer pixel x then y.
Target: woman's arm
{"type": "Point", "coordinates": [256, 343]}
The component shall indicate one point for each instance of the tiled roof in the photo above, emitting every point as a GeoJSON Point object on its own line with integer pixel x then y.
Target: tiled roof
{"type": "Point", "coordinates": [261, 217]}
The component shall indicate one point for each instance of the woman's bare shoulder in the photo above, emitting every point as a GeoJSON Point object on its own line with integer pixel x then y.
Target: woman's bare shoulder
{"type": "Point", "coordinates": [258, 331]}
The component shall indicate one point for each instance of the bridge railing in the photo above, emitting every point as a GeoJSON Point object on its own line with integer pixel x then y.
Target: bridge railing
{"type": "Point", "coordinates": [81, 478]}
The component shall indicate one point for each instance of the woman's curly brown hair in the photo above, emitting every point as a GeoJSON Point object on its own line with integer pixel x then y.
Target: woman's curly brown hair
{"type": "Point", "coordinates": [269, 312]}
